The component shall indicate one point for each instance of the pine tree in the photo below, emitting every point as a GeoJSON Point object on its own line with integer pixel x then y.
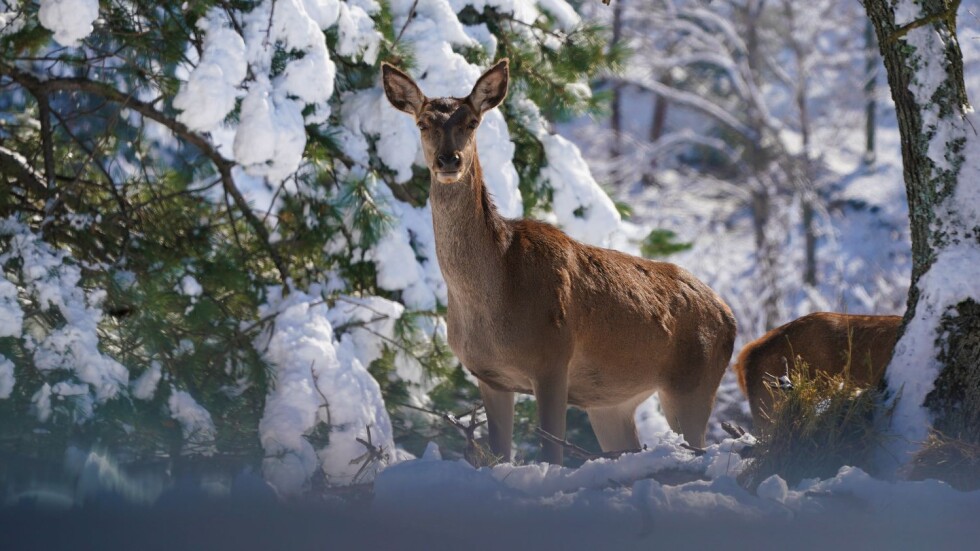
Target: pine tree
{"type": "Point", "coordinates": [189, 189]}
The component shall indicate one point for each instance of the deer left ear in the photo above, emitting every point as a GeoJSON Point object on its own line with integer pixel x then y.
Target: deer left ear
{"type": "Point", "coordinates": [491, 89]}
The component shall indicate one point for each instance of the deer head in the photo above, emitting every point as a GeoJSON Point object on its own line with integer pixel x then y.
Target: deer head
{"type": "Point", "coordinates": [447, 125]}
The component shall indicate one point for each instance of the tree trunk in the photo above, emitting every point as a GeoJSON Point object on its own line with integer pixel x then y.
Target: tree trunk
{"type": "Point", "coordinates": [660, 105]}
{"type": "Point", "coordinates": [935, 371]}
{"type": "Point", "coordinates": [805, 176]}
{"type": "Point", "coordinates": [871, 82]}
{"type": "Point", "coordinates": [758, 162]}
{"type": "Point", "coordinates": [617, 90]}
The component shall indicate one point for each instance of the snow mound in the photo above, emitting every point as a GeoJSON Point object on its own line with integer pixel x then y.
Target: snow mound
{"type": "Point", "coordinates": [195, 423]}
{"type": "Point", "coordinates": [627, 497]}
{"type": "Point", "coordinates": [320, 384]}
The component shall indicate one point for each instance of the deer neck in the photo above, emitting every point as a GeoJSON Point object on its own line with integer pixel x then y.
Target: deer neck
{"type": "Point", "coordinates": [470, 236]}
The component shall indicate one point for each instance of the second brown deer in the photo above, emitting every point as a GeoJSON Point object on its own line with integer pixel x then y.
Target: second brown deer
{"type": "Point", "coordinates": [533, 311]}
{"type": "Point", "coordinates": [826, 342]}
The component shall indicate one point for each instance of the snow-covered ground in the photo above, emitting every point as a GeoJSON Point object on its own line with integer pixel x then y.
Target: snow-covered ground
{"type": "Point", "coordinates": [664, 496]}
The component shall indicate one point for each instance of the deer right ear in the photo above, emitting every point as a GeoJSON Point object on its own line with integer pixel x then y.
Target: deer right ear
{"type": "Point", "coordinates": [401, 90]}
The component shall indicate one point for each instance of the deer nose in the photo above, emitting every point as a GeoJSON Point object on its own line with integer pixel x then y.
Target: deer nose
{"type": "Point", "coordinates": [448, 162]}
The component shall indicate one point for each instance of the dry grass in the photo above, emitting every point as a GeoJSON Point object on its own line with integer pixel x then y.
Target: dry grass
{"type": "Point", "coordinates": [953, 461]}
{"type": "Point", "coordinates": [819, 425]}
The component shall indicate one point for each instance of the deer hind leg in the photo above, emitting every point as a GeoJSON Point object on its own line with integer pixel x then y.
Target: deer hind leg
{"type": "Point", "coordinates": [615, 427]}
{"type": "Point", "coordinates": [688, 412]}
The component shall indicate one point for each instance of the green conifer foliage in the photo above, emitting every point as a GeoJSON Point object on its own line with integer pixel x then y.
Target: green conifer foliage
{"type": "Point", "coordinates": [96, 162]}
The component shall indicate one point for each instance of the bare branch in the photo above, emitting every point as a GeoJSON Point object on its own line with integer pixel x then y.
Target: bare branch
{"type": "Point", "coordinates": [15, 164]}
{"type": "Point", "coordinates": [948, 14]}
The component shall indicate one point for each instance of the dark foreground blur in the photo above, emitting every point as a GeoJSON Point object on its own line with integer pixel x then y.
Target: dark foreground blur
{"type": "Point", "coordinates": [92, 503]}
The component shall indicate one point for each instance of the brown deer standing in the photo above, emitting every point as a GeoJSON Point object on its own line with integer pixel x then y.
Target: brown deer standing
{"type": "Point", "coordinates": [827, 342]}
{"type": "Point", "coordinates": [533, 311]}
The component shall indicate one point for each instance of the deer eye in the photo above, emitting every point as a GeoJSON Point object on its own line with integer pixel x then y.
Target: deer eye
{"type": "Point", "coordinates": [422, 126]}
{"type": "Point", "coordinates": [473, 124]}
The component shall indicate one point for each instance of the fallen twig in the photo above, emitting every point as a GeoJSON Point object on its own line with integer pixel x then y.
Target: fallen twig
{"type": "Point", "coordinates": [734, 431]}
{"type": "Point", "coordinates": [372, 455]}
{"type": "Point", "coordinates": [468, 430]}
{"type": "Point", "coordinates": [697, 451]}
{"type": "Point", "coordinates": [737, 432]}
{"type": "Point", "coordinates": [580, 452]}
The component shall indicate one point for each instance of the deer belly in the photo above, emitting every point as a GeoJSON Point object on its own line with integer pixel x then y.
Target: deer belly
{"type": "Point", "coordinates": [502, 379]}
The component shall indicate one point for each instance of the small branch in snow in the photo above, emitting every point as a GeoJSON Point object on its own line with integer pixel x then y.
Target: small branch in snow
{"type": "Point", "coordinates": [15, 164]}
{"type": "Point", "coordinates": [268, 30]}
{"type": "Point", "coordinates": [698, 452]}
{"type": "Point", "coordinates": [360, 323]}
{"type": "Point", "coordinates": [468, 430]}
{"type": "Point", "coordinates": [326, 404]}
{"type": "Point", "coordinates": [733, 430]}
{"type": "Point", "coordinates": [374, 454]}
{"type": "Point", "coordinates": [411, 16]}
{"type": "Point", "coordinates": [583, 453]}
{"type": "Point", "coordinates": [475, 454]}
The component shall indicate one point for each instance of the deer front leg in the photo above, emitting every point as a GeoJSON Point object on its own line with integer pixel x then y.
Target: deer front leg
{"type": "Point", "coordinates": [552, 396]}
{"type": "Point", "coordinates": [500, 419]}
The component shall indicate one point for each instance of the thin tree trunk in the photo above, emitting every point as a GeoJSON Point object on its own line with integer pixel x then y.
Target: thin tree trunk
{"type": "Point", "coordinates": [758, 163]}
{"type": "Point", "coordinates": [871, 82]}
{"type": "Point", "coordinates": [805, 172]}
{"type": "Point", "coordinates": [617, 92]}
{"type": "Point", "coordinates": [660, 106]}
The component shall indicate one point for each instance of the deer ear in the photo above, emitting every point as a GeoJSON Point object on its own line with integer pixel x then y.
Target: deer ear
{"type": "Point", "coordinates": [401, 90]}
{"type": "Point", "coordinates": [491, 89]}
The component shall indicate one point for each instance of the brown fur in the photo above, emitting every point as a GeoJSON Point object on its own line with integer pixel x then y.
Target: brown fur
{"type": "Point", "coordinates": [533, 311]}
{"type": "Point", "coordinates": [823, 340]}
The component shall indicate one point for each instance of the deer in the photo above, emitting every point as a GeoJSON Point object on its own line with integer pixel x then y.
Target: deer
{"type": "Point", "coordinates": [530, 310]}
{"type": "Point", "coordinates": [827, 342]}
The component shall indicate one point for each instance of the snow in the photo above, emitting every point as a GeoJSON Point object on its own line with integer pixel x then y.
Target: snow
{"type": "Point", "coordinates": [405, 256]}
{"type": "Point", "coordinates": [773, 488]}
{"type": "Point", "coordinates": [357, 37]}
{"type": "Point", "coordinates": [190, 287]}
{"type": "Point", "coordinates": [563, 13]}
{"type": "Point", "coordinates": [52, 281]}
{"type": "Point", "coordinates": [195, 423]}
{"type": "Point", "coordinates": [10, 21]}
{"type": "Point", "coordinates": [42, 402]}
{"type": "Point", "coordinates": [583, 210]}
{"type": "Point", "coordinates": [318, 380]}
{"type": "Point", "coordinates": [11, 316]}
{"type": "Point", "coordinates": [269, 139]}
{"type": "Point", "coordinates": [213, 86]}
{"type": "Point", "coordinates": [271, 135]}
{"type": "Point", "coordinates": [145, 386]}
{"type": "Point", "coordinates": [6, 377]}
{"type": "Point", "coordinates": [69, 20]}
{"type": "Point", "coordinates": [914, 367]}
{"type": "Point", "coordinates": [617, 499]}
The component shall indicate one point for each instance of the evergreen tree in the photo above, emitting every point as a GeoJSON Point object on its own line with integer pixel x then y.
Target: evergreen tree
{"type": "Point", "coordinates": [213, 228]}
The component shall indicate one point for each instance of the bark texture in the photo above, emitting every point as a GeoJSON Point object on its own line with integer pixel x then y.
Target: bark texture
{"type": "Point", "coordinates": [938, 223]}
